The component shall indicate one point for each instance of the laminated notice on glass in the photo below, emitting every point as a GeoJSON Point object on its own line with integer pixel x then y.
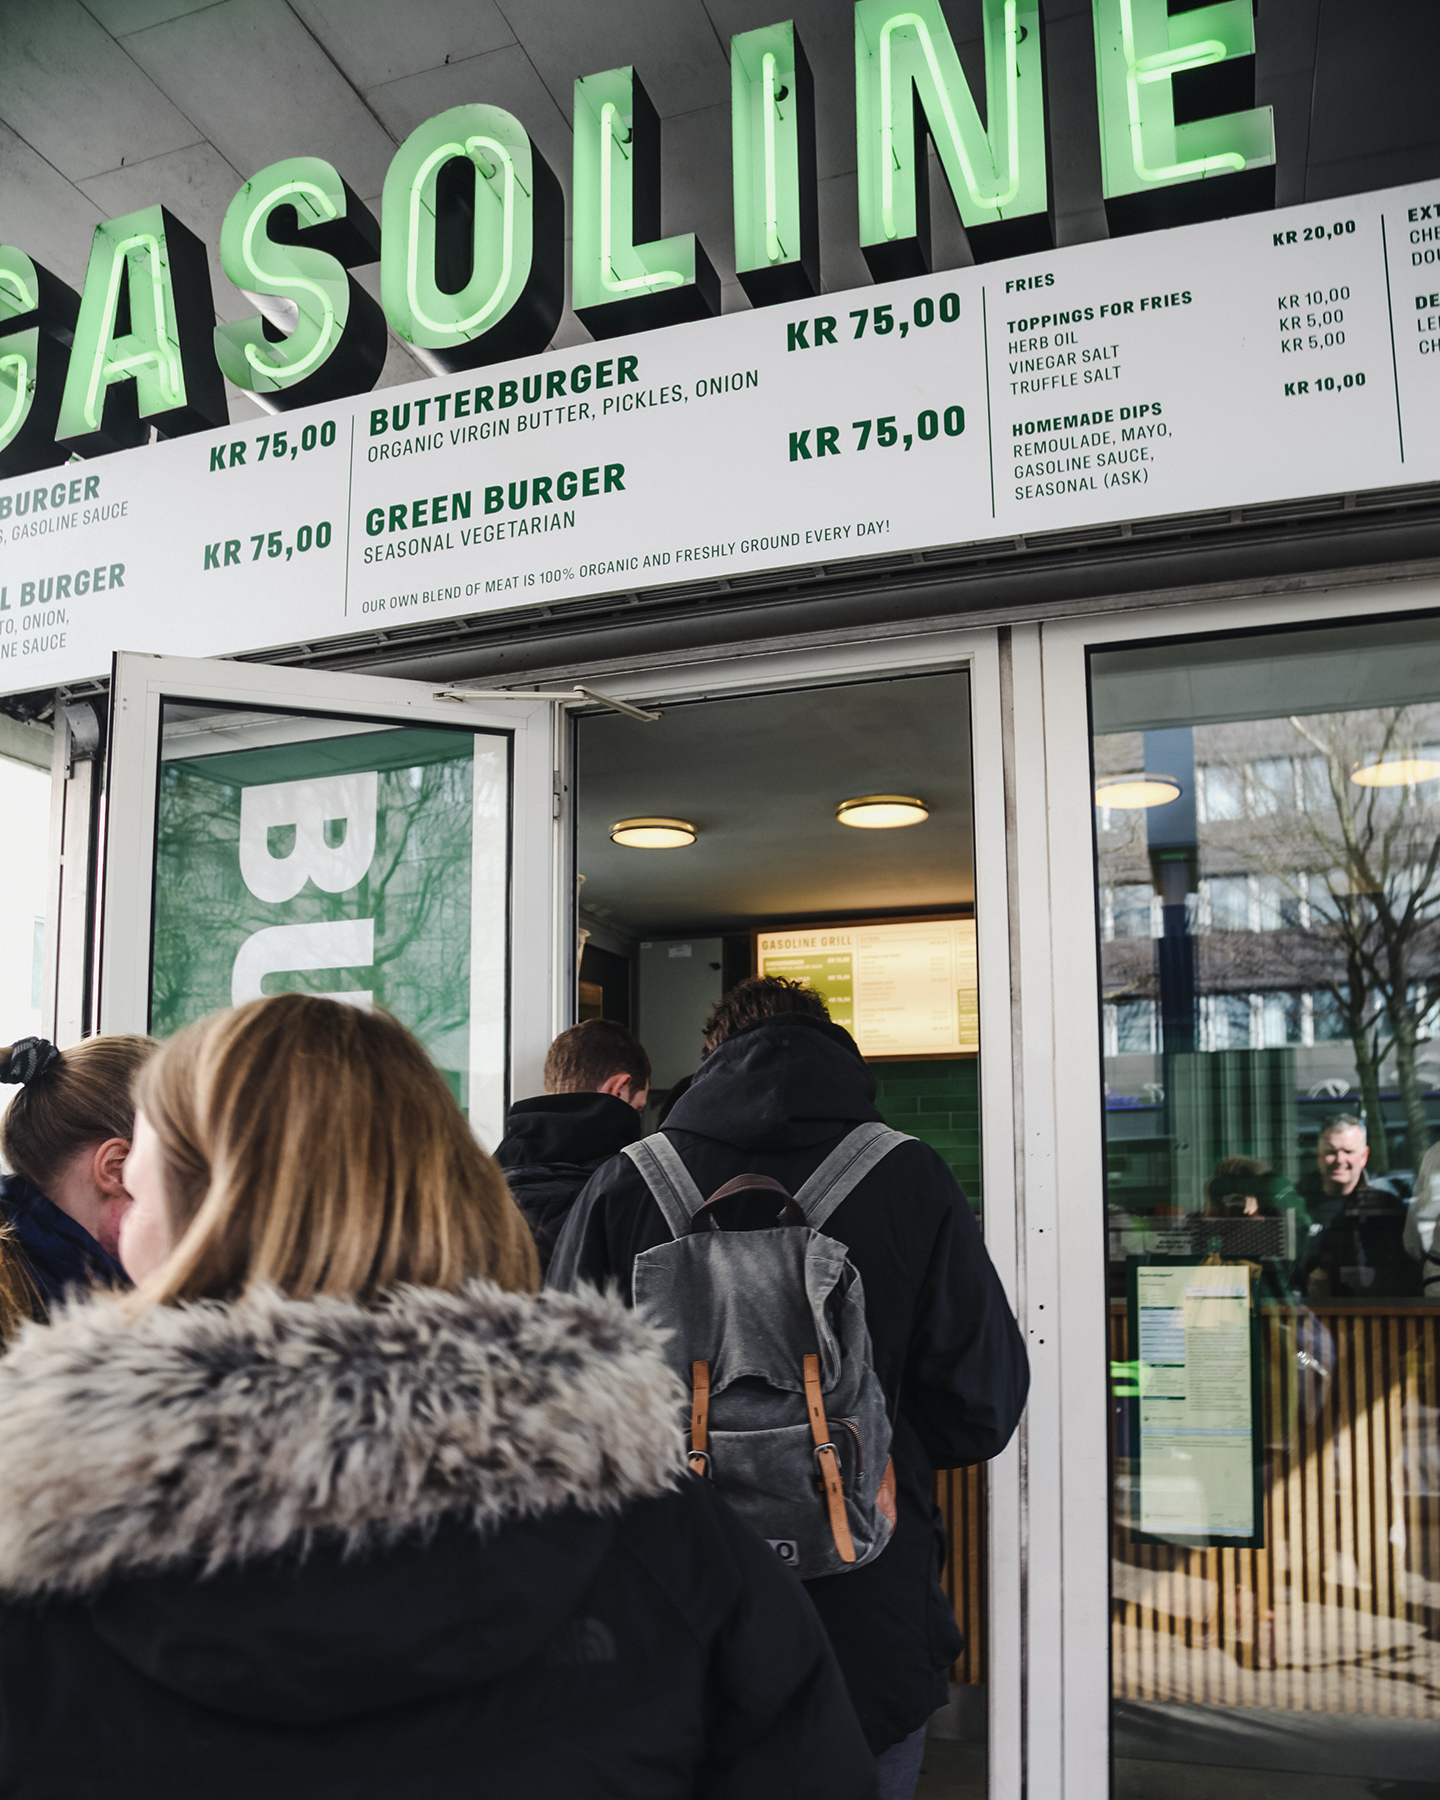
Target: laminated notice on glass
{"type": "Point", "coordinates": [1196, 1403]}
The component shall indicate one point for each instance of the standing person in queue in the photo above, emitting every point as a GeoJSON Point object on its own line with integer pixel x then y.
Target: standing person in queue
{"type": "Point", "coordinates": [780, 1087]}
{"type": "Point", "coordinates": [65, 1138]}
{"type": "Point", "coordinates": [597, 1080]}
{"type": "Point", "coordinates": [334, 1505]}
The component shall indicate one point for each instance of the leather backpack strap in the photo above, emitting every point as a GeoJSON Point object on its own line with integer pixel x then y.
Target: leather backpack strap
{"type": "Point", "coordinates": [668, 1180]}
{"type": "Point", "coordinates": [844, 1168]}
{"type": "Point", "coordinates": [827, 1462]}
{"type": "Point", "coordinates": [699, 1417]}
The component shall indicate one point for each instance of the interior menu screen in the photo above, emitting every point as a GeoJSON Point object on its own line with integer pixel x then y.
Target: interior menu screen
{"type": "Point", "coordinates": [902, 989]}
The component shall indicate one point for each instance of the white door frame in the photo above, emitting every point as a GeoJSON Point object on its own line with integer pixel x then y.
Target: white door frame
{"type": "Point", "coordinates": [1060, 1102]}
{"type": "Point", "coordinates": [727, 672]}
{"type": "Point", "coordinates": [141, 683]}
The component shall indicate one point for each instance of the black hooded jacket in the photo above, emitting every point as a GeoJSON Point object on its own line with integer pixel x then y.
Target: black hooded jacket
{"type": "Point", "coordinates": [432, 1549]}
{"type": "Point", "coordinates": [775, 1100]}
{"type": "Point", "coordinates": [552, 1145]}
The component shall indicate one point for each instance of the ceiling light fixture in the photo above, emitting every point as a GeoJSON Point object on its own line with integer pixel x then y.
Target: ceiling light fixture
{"type": "Point", "coordinates": [652, 834]}
{"type": "Point", "coordinates": [1404, 770]}
{"type": "Point", "coordinates": [1133, 793]}
{"type": "Point", "coordinates": [882, 812]}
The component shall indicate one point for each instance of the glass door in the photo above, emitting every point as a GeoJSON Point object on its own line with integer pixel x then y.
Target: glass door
{"type": "Point", "coordinates": [1268, 867]}
{"type": "Point", "coordinates": [384, 842]}
{"type": "Point", "coordinates": [1250, 1110]}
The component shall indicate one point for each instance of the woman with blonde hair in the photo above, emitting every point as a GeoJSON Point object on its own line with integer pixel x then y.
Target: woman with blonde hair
{"type": "Point", "coordinates": [335, 1504]}
{"type": "Point", "coordinates": [65, 1137]}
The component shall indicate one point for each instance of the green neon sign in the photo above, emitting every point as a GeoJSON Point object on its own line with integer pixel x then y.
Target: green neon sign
{"type": "Point", "coordinates": [142, 354]}
{"type": "Point", "coordinates": [472, 269]}
{"type": "Point", "coordinates": [40, 312]}
{"type": "Point", "coordinates": [326, 336]}
{"type": "Point", "coordinates": [772, 141]}
{"type": "Point", "coordinates": [624, 276]}
{"type": "Point", "coordinates": [1139, 50]}
{"type": "Point", "coordinates": [997, 175]}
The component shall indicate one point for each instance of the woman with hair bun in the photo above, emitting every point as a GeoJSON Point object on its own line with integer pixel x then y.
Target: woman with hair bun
{"type": "Point", "coordinates": [335, 1504]}
{"type": "Point", "coordinates": [65, 1137]}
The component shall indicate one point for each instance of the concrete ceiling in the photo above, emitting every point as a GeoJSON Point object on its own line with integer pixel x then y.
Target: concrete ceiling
{"type": "Point", "coordinates": [106, 105]}
{"type": "Point", "coordinates": [760, 778]}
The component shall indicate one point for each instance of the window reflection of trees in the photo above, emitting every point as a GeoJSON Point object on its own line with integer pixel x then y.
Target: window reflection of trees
{"type": "Point", "coordinates": [417, 891]}
{"type": "Point", "coordinates": [1318, 897]}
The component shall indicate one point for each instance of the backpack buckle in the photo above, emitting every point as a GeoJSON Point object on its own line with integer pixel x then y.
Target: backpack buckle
{"type": "Point", "coordinates": [700, 1463]}
{"type": "Point", "coordinates": [816, 1454]}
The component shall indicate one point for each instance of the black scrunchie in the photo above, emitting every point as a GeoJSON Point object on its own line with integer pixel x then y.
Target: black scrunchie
{"type": "Point", "coordinates": [28, 1060]}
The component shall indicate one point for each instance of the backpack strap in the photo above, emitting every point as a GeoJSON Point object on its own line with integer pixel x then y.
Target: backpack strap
{"type": "Point", "coordinates": [668, 1180]}
{"type": "Point", "coordinates": [844, 1168]}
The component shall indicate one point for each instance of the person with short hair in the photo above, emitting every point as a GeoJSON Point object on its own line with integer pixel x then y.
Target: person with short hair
{"type": "Point", "coordinates": [65, 1137]}
{"type": "Point", "coordinates": [334, 1503]}
{"type": "Point", "coordinates": [597, 1080]}
{"type": "Point", "coordinates": [780, 1086]}
{"type": "Point", "coordinates": [1342, 1152]}
{"type": "Point", "coordinates": [1359, 1249]}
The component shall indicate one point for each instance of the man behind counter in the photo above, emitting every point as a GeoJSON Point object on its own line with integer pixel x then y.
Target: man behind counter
{"type": "Point", "coordinates": [1340, 1159]}
{"type": "Point", "coordinates": [1358, 1251]}
{"type": "Point", "coordinates": [597, 1080]}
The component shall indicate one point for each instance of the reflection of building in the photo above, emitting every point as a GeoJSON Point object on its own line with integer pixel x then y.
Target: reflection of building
{"type": "Point", "coordinates": [1277, 911]}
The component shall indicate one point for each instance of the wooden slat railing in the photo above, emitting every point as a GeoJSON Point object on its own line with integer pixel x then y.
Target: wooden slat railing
{"type": "Point", "coordinates": [1340, 1612]}
{"type": "Point", "coordinates": [960, 1495]}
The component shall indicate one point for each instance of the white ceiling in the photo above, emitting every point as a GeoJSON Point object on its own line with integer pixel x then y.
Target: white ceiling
{"type": "Point", "coordinates": [760, 778]}
{"type": "Point", "coordinates": [113, 104]}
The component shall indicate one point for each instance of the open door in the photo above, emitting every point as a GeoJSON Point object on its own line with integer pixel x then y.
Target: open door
{"type": "Point", "coordinates": [390, 843]}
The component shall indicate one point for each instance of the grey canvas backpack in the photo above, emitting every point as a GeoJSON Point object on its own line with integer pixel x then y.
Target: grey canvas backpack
{"type": "Point", "coordinates": [768, 1332]}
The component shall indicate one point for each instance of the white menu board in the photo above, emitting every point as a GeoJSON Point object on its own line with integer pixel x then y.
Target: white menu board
{"type": "Point", "coordinates": [1248, 361]}
{"type": "Point", "coordinates": [903, 989]}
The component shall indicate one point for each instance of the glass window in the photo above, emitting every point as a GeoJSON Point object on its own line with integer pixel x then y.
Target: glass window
{"type": "Point", "coordinates": [338, 857]}
{"type": "Point", "coordinates": [1133, 907]}
{"type": "Point", "coordinates": [1229, 897]}
{"type": "Point", "coordinates": [1272, 1096]}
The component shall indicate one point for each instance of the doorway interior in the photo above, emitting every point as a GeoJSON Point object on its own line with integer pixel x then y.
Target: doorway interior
{"type": "Point", "coordinates": [763, 876]}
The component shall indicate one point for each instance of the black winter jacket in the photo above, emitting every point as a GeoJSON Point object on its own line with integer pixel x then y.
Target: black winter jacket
{"type": "Point", "coordinates": [59, 1257]}
{"type": "Point", "coordinates": [553, 1144]}
{"type": "Point", "coordinates": [775, 1100]}
{"type": "Point", "coordinates": [434, 1548]}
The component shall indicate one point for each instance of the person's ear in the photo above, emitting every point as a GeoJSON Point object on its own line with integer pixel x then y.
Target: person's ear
{"type": "Point", "coordinates": [108, 1167]}
{"type": "Point", "coordinates": [617, 1086]}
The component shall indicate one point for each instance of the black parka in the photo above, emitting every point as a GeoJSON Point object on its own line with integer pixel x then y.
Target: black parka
{"type": "Point", "coordinates": [775, 1100]}
{"type": "Point", "coordinates": [552, 1145]}
{"type": "Point", "coordinates": [434, 1548]}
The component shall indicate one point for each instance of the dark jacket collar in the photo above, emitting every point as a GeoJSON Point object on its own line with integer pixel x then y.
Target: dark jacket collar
{"type": "Point", "coordinates": [781, 1084]}
{"type": "Point", "coordinates": [566, 1130]}
{"type": "Point", "coordinates": [59, 1254]}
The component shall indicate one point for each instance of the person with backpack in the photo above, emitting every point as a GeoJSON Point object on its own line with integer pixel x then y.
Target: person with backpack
{"type": "Point", "coordinates": [597, 1080]}
{"type": "Point", "coordinates": [837, 1323]}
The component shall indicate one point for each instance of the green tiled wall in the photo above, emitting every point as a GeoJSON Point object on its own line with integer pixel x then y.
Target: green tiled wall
{"type": "Point", "coordinates": [938, 1102]}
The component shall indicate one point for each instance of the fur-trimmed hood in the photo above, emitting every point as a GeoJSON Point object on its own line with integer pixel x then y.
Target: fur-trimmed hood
{"type": "Point", "coordinates": [210, 1435]}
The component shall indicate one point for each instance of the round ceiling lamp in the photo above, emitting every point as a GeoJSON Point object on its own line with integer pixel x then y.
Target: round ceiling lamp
{"type": "Point", "coordinates": [652, 834]}
{"type": "Point", "coordinates": [882, 812]}
{"type": "Point", "coordinates": [1403, 770]}
{"type": "Point", "coordinates": [1133, 793]}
